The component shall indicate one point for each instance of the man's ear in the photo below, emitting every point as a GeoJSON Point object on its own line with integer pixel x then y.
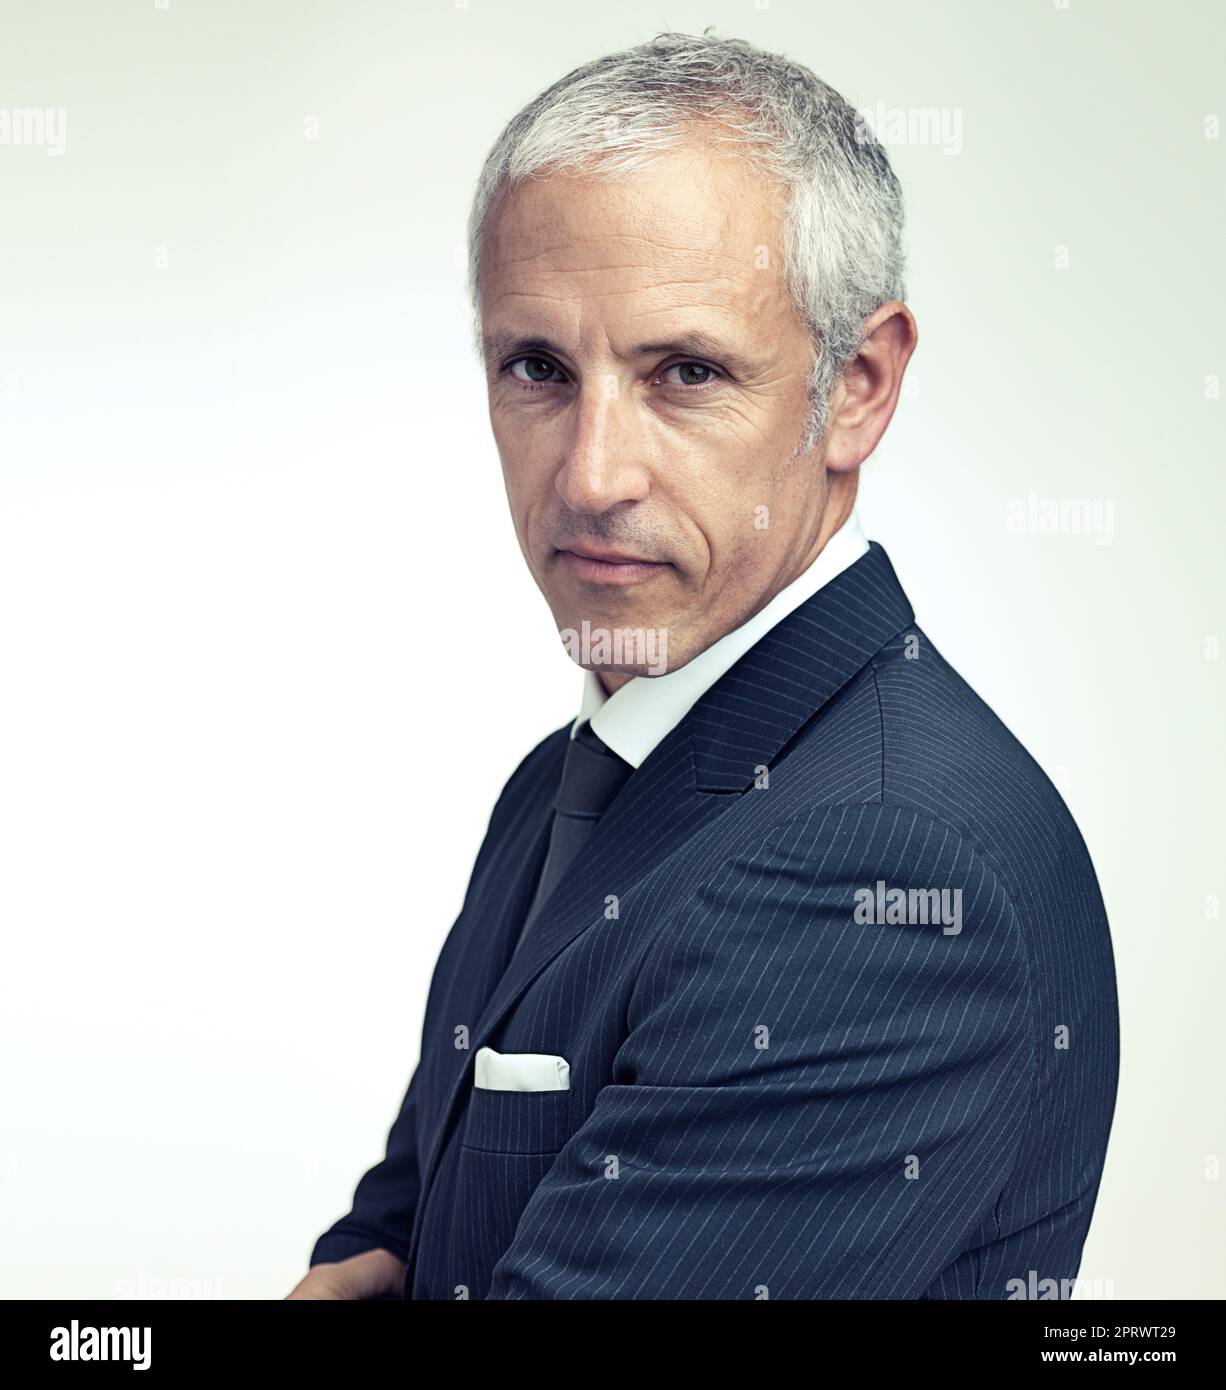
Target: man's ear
{"type": "Point", "coordinates": [866, 393]}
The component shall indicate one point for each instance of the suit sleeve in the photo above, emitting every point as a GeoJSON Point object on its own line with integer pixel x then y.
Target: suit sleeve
{"type": "Point", "coordinates": [385, 1199]}
{"type": "Point", "coordinates": [814, 1099]}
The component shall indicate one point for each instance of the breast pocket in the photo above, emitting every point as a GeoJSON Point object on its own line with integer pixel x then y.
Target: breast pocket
{"type": "Point", "coordinates": [517, 1122]}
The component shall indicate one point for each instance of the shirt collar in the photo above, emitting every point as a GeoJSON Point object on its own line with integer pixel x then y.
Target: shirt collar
{"type": "Point", "coordinates": [638, 715]}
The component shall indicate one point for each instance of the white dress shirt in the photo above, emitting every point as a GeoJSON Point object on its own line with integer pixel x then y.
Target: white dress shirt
{"type": "Point", "coordinates": [641, 712]}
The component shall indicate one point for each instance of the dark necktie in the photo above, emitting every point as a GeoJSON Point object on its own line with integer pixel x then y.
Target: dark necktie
{"type": "Point", "coordinates": [591, 777]}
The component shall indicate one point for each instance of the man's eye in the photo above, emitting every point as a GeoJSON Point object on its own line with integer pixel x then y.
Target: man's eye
{"type": "Point", "coordinates": [693, 373]}
{"type": "Point", "coordinates": [534, 370]}
{"type": "Point", "coordinates": [540, 371]}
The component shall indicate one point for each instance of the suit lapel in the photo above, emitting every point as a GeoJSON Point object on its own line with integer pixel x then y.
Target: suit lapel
{"type": "Point", "coordinates": [656, 809]}
{"type": "Point", "coordinates": [787, 676]}
{"type": "Point", "coordinates": [491, 924]}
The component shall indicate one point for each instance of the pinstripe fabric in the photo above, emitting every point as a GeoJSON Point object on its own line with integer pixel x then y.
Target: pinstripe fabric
{"type": "Point", "coordinates": [770, 1095]}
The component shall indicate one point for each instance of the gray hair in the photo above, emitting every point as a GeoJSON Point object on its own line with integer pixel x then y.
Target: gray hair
{"type": "Point", "coordinates": [843, 211]}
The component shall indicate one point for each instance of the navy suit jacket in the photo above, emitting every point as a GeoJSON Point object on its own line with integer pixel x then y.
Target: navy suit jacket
{"type": "Point", "coordinates": [787, 1079]}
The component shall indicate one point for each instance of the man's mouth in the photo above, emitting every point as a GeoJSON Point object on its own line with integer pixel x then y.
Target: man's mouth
{"type": "Point", "coordinates": [596, 564]}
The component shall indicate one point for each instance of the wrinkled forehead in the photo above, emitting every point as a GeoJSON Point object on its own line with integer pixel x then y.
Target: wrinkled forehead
{"type": "Point", "coordinates": [690, 230]}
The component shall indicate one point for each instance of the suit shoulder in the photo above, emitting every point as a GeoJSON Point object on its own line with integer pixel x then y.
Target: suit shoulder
{"type": "Point", "coordinates": [947, 754]}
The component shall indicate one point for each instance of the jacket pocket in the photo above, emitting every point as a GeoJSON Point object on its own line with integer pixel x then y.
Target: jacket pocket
{"type": "Point", "coordinates": [520, 1122]}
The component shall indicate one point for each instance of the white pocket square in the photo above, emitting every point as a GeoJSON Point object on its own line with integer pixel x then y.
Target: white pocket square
{"type": "Point", "coordinates": [520, 1071]}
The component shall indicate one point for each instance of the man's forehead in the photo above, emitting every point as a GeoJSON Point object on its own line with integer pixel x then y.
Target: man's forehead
{"type": "Point", "coordinates": [682, 209]}
{"type": "Point", "coordinates": [688, 268]}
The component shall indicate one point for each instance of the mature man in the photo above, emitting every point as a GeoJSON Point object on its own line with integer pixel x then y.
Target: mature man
{"type": "Point", "coordinates": [783, 971]}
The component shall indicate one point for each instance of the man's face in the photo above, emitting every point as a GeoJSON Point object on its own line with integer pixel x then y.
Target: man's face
{"type": "Point", "coordinates": [646, 375]}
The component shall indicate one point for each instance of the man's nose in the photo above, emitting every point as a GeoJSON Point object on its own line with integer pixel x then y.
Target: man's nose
{"type": "Point", "coordinates": [605, 462]}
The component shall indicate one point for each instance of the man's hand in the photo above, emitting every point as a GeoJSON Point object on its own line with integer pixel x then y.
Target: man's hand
{"type": "Point", "coordinates": [371, 1274]}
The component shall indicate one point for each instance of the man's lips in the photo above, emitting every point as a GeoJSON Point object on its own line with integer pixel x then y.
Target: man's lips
{"type": "Point", "coordinates": [601, 565]}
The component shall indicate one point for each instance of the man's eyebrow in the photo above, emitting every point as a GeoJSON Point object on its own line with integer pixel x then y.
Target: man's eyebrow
{"type": "Point", "coordinates": [698, 343]}
{"type": "Point", "coordinates": [502, 346]}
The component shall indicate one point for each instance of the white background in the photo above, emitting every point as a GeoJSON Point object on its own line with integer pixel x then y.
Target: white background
{"type": "Point", "coordinates": [258, 584]}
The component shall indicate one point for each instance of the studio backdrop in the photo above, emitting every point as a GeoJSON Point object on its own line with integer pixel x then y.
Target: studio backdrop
{"type": "Point", "coordinates": [258, 578]}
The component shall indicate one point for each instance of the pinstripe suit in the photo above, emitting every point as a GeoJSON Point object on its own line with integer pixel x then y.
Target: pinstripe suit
{"type": "Point", "coordinates": [771, 1096]}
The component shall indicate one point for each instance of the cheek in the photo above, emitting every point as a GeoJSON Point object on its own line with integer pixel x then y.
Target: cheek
{"type": "Point", "coordinates": [734, 504]}
{"type": "Point", "coordinates": [523, 468]}
{"type": "Point", "coordinates": [751, 527]}
{"type": "Point", "coordinates": [517, 433]}
{"type": "Point", "coordinates": [749, 562]}
{"type": "Point", "coordinates": [524, 508]}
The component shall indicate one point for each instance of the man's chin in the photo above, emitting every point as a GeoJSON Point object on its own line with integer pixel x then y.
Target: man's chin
{"type": "Point", "coordinates": [619, 675]}
{"type": "Point", "coordinates": [616, 648]}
